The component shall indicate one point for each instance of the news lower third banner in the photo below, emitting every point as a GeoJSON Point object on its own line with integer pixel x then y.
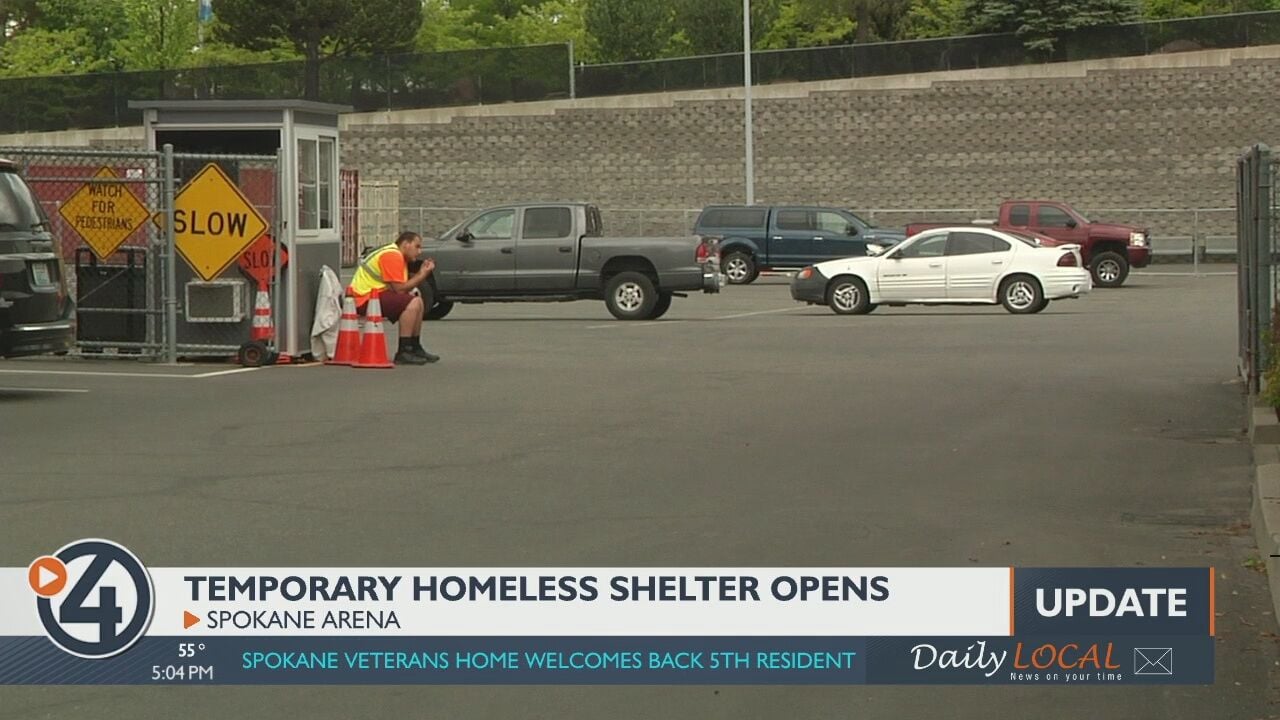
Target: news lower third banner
{"type": "Point", "coordinates": [91, 613]}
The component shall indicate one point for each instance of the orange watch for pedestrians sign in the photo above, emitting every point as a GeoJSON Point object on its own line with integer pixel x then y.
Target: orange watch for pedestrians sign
{"type": "Point", "coordinates": [213, 222]}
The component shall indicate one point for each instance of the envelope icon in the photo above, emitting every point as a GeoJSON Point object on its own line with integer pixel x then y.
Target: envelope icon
{"type": "Point", "coordinates": [1153, 661]}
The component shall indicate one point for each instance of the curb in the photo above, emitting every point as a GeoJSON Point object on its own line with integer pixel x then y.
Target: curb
{"type": "Point", "coordinates": [1264, 437]}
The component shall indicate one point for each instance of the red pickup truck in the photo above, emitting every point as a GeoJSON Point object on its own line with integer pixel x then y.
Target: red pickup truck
{"type": "Point", "coordinates": [1108, 250]}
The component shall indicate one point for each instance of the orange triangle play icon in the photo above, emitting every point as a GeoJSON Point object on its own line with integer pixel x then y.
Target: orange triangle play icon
{"type": "Point", "coordinates": [188, 620]}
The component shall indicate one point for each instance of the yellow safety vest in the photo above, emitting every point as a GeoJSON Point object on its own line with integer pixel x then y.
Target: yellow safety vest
{"type": "Point", "coordinates": [368, 276]}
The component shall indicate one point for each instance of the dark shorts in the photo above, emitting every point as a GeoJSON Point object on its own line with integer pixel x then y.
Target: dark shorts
{"type": "Point", "coordinates": [393, 305]}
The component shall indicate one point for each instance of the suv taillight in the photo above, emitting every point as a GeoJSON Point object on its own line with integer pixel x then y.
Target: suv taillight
{"type": "Point", "coordinates": [1068, 260]}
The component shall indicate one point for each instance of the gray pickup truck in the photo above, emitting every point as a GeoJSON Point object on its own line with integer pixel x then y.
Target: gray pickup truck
{"type": "Point", "coordinates": [558, 251]}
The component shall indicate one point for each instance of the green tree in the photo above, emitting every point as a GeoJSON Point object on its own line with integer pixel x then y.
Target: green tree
{"type": "Point", "coordinates": [98, 24]}
{"type": "Point", "coordinates": [16, 16]}
{"type": "Point", "coordinates": [218, 53]}
{"type": "Point", "coordinates": [464, 25]}
{"type": "Point", "coordinates": [934, 18]}
{"type": "Point", "coordinates": [707, 27]}
{"type": "Point", "coordinates": [445, 26]}
{"type": "Point", "coordinates": [870, 20]}
{"type": "Point", "coordinates": [320, 28]}
{"type": "Point", "coordinates": [628, 29]}
{"type": "Point", "coordinates": [1168, 9]}
{"type": "Point", "coordinates": [1040, 22]}
{"type": "Point", "coordinates": [554, 21]}
{"type": "Point", "coordinates": [162, 34]}
{"type": "Point", "coordinates": [210, 54]}
{"type": "Point", "coordinates": [799, 26]}
{"type": "Point", "coordinates": [36, 51]}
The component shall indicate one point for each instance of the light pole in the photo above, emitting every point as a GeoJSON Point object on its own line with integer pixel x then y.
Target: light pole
{"type": "Point", "coordinates": [746, 107]}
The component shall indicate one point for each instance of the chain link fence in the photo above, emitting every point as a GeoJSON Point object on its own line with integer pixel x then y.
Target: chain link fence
{"type": "Point", "coordinates": [927, 55]}
{"type": "Point", "coordinates": [368, 84]}
{"type": "Point", "coordinates": [1196, 235]}
{"type": "Point", "coordinates": [134, 296]}
{"type": "Point", "coordinates": [1185, 235]}
{"type": "Point", "coordinates": [100, 206]}
{"type": "Point", "coordinates": [486, 76]}
{"type": "Point", "coordinates": [1256, 205]}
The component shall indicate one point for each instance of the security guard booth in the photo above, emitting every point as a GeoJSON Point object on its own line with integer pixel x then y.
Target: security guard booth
{"type": "Point", "coordinates": [301, 205]}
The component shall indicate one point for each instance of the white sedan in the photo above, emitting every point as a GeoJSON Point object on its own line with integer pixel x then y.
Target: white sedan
{"type": "Point", "coordinates": [956, 265]}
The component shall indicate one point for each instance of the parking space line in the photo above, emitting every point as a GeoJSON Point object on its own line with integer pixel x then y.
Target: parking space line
{"type": "Point", "coordinates": [1182, 274]}
{"type": "Point", "coordinates": [90, 373]}
{"type": "Point", "coordinates": [651, 323]}
{"type": "Point", "coordinates": [98, 373]}
{"type": "Point", "coordinates": [43, 390]}
{"type": "Point", "coordinates": [663, 323]}
{"type": "Point", "coordinates": [218, 373]}
{"type": "Point", "coordinates": [760, 312]}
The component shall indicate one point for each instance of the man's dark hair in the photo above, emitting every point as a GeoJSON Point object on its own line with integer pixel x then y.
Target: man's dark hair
{"type": "Point", "coordinates": [406, 236]}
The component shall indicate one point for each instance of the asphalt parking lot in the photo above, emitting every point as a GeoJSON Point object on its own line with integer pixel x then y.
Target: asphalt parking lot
{"type": "Point", "coordinates": [742, 429]}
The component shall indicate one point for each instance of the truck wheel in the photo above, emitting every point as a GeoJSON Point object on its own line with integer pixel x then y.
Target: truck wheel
{"type": "Point", "coordinates": [439, 310]}
{"type": "Point", "coordinates": [740, 268]}
{"type": "Point", "coordinates": [661, 307]}
{"type": "Point", "coordinates": [847, 295]}
{"type": "Point", "coordinates": [1021, 295]}
{"type": "Point", "coordinates": [1109, 269]}
{"type": "Point", "coordinates": [630, 296]}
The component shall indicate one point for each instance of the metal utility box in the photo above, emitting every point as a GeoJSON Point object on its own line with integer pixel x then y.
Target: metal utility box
{"type": "Point", "coordinates": [300, 203]}
{"type": "Point", "coordinates": [107, 292]}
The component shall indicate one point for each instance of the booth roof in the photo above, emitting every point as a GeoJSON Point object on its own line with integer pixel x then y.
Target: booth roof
{"type": "Point", "coordinates": [233, 105]}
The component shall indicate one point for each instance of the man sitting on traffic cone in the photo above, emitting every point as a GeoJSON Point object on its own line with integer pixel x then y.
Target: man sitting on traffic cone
{"type": "Point", "coordinates": [386, 270]}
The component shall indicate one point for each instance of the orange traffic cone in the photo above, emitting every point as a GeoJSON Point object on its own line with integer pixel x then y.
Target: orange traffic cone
{"type": "Point", "coordinates": [262, 328]}
{"type": "Point", "coordinates": [348, 349]}
{"type": "Point", "coordinates": [373, 343]}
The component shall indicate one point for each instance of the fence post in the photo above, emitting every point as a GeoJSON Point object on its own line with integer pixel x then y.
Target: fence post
{"type": "Point", "coordinates": [1263, 230]}
{"type": "Point", "coordinates": [386, 67]}
{"type": "Point", "coordinates": [171, 261]}
{"type": "Point", "coordinates": [1195, 242]}
{"type": "Point", "coordinates": [573, 81]}
{"type": "Point", "coordinates": [1243, 270]}
{"type": "Point", "coordinates": [282, 342]}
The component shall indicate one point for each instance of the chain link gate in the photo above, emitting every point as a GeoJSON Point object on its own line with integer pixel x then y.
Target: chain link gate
{"type": "Point", "coordinates": [99, 204]}
{"type": "Point", "coordinates": [217, 309]}
{"type": "Point", "coordinates": [109, 212]}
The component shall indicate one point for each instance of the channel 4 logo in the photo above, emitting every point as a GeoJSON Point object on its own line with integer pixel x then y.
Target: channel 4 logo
{"type": "Point", "coordinates": [94, 597]}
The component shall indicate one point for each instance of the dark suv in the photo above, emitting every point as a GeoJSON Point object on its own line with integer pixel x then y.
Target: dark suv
{"type": "Point", "coordinates": [36, 314]}
{"type": "Point", "coordinates": [764, 237]}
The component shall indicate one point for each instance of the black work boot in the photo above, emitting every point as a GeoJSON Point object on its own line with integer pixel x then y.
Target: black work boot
{"type": "Point", "coordinates": [422, 352]}
{"type": "Point", "coordinates": [408, 357]}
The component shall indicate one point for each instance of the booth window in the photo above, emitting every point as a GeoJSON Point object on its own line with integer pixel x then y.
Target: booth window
{"type": "Point", "coordinates": [315, 184]}
{"type": "Point", "coordinates": [326, 183]}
